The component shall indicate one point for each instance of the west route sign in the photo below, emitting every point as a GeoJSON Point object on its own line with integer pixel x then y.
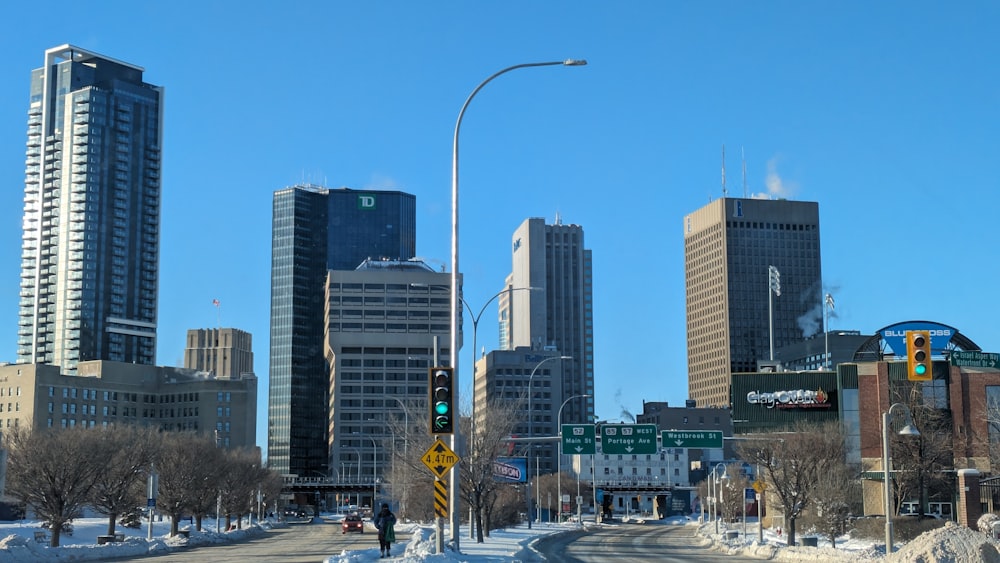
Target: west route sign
{"type": "Point", "coordinates": [628, 439]}
{"type": "Point", "coordinates": [692, 439]}
{"type": "Point", "coordinates": [578, 439]}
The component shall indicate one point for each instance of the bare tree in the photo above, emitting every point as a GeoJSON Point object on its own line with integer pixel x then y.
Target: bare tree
{"type": "Point", "coordinates": [188, 469]}
{"type": "Point", "coordinates": [129, 452]}
{"type": "Point", "coordinates": [492, 434]}
{"type": "Point", "coordinates": [920, 462]}
{"type": "Point", "coordinates": [53, 472]}
{"type": "Point", "coordinates": [731, 491]}
{"type": "Point", "coordinates": [836, 490]}
{"type": "Point", "coordinates": [792, 463]}
{"type": "Point", "coordinates": [239, 480]}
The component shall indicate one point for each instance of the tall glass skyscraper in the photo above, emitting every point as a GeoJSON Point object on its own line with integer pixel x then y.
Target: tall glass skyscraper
{"type": "Point", "coordinates": [315, 230]}
{"type": "Point", "coordinates": [729, 246]}
{"type": "Point", "coordinates": [90, 248]}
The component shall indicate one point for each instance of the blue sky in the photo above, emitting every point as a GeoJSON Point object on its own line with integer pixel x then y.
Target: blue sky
{"type": "Point", "coordinates": [885, 113]}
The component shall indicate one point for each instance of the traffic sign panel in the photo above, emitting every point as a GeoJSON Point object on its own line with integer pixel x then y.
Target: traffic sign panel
{"type": "Point", "coordinates": [975, 359]}
{"type": "Point", "coordinates": [628, 439]}
{"type": "Point", "coordinates": [578, 439]}
{"type": "Point", "coordinates": [689, 439]}
{"type": "Point", "coordinates": [439, 458]}
{"type": "Point", "coordinates": [759, 486]}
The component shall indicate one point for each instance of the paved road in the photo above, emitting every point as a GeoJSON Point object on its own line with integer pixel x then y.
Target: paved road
{"type": "Point", "coordinates": [296, 543]}
{"type": "Point", "coordinates": [633, 542]}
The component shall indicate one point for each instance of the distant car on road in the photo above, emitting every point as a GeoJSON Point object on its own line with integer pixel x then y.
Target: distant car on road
{"type": "Point", "coordinates": [353, 523]}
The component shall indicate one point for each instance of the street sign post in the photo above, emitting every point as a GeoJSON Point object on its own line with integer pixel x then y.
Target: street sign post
{"type": "Point", "coordinates": [628, 439]}
{"type": "Point", "coordinates": [578, 439]}
{"type": "Point", "coordinates": [975, 359]}
{"type": "Point", "coordinates": [691, 439]}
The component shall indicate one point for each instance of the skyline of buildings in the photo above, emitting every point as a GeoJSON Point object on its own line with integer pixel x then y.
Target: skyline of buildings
{"type": "Point", "coordinates": [91, 228]}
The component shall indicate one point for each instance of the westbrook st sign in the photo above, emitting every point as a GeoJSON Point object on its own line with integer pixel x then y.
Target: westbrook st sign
{"type": "Point", "coordinates": [688, 439]}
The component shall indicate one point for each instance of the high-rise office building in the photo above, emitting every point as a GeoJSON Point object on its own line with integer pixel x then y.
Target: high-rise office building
{"type": "Point", "coordinates": [315, 230]}
{"type": "Point", "coordinates": [91, 230]}
{"type": "Point", "coordinates": [730, 246]}
{"type": "Point", "coordinates": [386, 323]}
{"type": "Point", "coordinates": [559, 316]}
{"type": "Point", "coordinates": [226, 352]}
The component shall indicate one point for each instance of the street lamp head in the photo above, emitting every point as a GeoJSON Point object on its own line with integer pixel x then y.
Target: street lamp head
{"type": "Point", "coordinates": [909, 430]}
{"type": "Point", "coordinates": [567, 358]}
{"type": "Point", "coordinates": [575, 62]}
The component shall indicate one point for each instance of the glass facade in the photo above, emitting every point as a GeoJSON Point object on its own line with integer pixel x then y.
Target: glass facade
{"type": "Point", "coordinates": [314, 230]}
{"type": "Point", "coordinates": [90, 246]}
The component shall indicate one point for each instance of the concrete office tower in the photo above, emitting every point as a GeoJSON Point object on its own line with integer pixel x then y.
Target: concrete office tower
{"type": "Point", "coordinates": [226, 352]}
{"type": "Point", "coordinates": [385, 322]}
{"type": "Point", "coordinates": [728, 247]}
{"type": "Point", "coordinates": [560, 317]}
{"type": "Point", "coordinates": [315, 230]}
{"type": "Point", "coordinates": [91, 229]}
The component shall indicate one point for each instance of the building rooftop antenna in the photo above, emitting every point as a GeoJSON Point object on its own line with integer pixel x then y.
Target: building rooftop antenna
{"type": "Point", "coordinates": [723, 171]}
{"type": "Point", "coordinates": [743, 157]}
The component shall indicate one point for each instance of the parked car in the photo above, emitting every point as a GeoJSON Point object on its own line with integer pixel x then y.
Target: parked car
{"type": "Point", "coordinates": [353, 523]}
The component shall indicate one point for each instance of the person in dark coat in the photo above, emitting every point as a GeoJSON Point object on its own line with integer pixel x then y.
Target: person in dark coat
{"type": "Point", "coordinates": [385, 523]}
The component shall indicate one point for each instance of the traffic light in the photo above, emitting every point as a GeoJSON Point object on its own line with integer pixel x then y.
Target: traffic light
{"type": "Point", "coordinates": [442, 400]}
{"type": "Point", "coordinates": [918, 355]}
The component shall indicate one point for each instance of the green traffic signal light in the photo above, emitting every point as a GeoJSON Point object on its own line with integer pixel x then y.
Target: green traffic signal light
{"type": "Point", "coordinates": [441, 398]}
{"type": "Point", "coordinates": [920, 369]}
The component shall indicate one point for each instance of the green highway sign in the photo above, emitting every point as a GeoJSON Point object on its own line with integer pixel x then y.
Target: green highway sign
{"type": "Point", "coordinates": [628, 439]}
{"type": "Point", "coordinates": [975, 359]}
{"type": "Point", "coordinates": [578, 439]}
{"type": "Point", "coordinates": [691, 439]}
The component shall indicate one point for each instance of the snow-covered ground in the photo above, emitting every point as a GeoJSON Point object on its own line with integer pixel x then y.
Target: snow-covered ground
{"type": "Point", "coordinates": [950, 544]}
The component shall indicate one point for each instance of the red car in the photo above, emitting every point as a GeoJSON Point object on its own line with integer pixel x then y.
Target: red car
{"type": "Point", "coordinates": [353, 523]}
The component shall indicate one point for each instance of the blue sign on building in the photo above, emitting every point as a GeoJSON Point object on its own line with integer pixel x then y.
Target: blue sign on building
{"type": "Point", "coordinates": [895, 336]}
{"type": "Point", "coordinates": [510, 469]}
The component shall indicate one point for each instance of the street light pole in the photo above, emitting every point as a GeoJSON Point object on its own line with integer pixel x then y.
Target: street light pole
{"type": "Point", "coordinates": [559, 454]}
{"type": "Point", "coordinates": [453, 482]}
{"type": "Point", "coordinates": [531, 432]}
{"type": "Point", "coordinates": [475, 356]}
{"type": "Point", "coordinates": [907, 430]}
{"type": "Point", "coordinates": [475, 350]}
{"type": "Point", "coordinates": [374, 468]}
{"type": "Point", "coordinates": [716, 480]}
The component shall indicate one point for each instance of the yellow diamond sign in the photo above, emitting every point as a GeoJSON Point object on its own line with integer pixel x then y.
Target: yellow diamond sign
{"type": "Point", "coordinates": [759, 486]}
{"type": "Point", "coordinates": [439, 458]}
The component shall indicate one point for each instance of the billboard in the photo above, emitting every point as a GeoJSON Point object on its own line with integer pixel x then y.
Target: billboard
{"type": "Point", "coordinates": [510, 469]}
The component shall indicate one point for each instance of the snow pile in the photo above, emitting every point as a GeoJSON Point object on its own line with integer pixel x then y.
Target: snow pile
{"type": "Point", "coordinates": [949, 544]}
{"type": "Point", "coordinates": [420, 547]}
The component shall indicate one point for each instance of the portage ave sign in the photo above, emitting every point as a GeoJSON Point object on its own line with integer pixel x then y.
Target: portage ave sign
{"type": "Point", "coordinates": [628, 439]}
{"type": "Point", "coordinates": [689, 439]}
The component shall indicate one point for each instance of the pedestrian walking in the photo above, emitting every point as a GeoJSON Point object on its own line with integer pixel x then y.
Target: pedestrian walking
{"type": "Point", "coordinates": [385, 523]}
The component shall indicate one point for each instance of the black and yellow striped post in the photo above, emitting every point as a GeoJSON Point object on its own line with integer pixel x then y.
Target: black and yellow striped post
{"type": "Point", "coordinates": [440, 498]}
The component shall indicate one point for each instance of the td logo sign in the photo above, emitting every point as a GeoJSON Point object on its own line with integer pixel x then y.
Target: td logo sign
{"type": "Point", "coordinates": [366, 202]}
